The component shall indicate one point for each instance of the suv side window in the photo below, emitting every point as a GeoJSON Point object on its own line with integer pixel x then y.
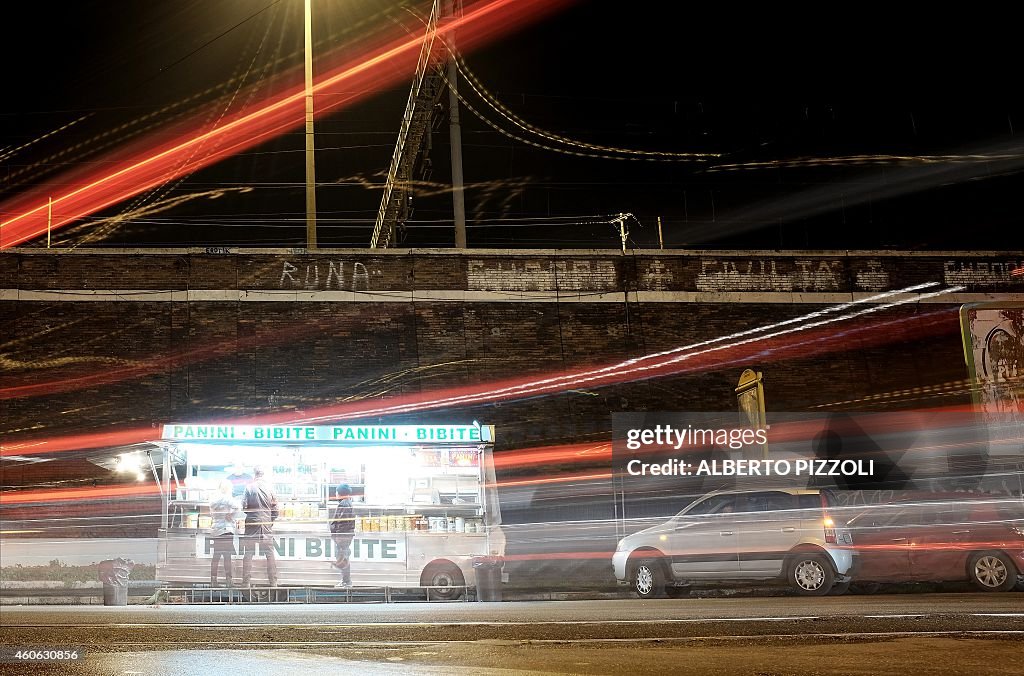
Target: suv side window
{"type": "Point", "coordinates": [768, 501]}
{"type": "Point", "coordinates": [716, 504]}
{"type": "Point", "coordinates": [809, 501]}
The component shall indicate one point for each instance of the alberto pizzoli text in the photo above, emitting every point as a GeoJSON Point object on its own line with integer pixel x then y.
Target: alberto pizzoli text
{"type": "Point", "coordinates": [753, 468]}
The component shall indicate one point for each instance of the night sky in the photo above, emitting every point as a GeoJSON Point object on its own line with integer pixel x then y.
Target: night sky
{"type": "Point", "coordinates": [839, 127]}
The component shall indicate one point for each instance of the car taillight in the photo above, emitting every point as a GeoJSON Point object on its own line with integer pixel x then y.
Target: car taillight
{"type": "Point", "coordinates": [828, 523]}
{"type": "Point", "coordinates": [830, 530]}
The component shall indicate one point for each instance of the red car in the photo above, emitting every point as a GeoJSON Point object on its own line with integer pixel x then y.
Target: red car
{"type": "Point", "coordinates": [981, 540]}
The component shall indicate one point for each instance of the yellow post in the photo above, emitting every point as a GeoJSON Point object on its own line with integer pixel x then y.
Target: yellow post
{"type": "Point", "coordinates": [750, 398]}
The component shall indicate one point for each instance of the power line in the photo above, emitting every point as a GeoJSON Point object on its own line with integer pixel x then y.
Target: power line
{"type": "Point", "coordinates": [210, 42]}
{"type": "Point", "coordinates": [491, 100]}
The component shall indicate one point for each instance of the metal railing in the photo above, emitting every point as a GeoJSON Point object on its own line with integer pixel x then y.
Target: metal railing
{"type": "Point", "coordinates": [307, 594]}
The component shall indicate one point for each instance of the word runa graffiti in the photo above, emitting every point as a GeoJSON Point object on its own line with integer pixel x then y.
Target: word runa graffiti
{"type": "Point", "coordinates": [324, 276]}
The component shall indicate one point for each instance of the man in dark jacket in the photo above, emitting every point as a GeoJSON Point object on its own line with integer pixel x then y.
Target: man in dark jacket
{"type": "Point", "coordinates": [342, 529]}
{"type": "Point", "coordinates": [260, 505]}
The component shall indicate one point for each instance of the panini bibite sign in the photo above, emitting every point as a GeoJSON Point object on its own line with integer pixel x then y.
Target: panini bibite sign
{"type": "Point", "coordinates": [373, 434]}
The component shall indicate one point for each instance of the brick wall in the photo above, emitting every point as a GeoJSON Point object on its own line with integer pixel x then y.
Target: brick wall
{"type": "Point", "coordinates": [140, 338]}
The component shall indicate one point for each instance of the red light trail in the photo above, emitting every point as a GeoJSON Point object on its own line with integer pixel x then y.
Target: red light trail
{"type": "Point", "coordinates": [796, 342]}
{"type": "Point", "coordinates": [142, 168]}
{"type": "Point", "coordinates": [146, 489]}
{"type": "Point", "coordinates": [599, 452]}
{"type": "Point", "coordinates": [70, 381]}
{"type": "Point", "coordinates": [150, 489]}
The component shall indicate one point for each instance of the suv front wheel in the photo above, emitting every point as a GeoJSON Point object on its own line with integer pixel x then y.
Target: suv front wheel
{"type": "Point", "coordinates": [810, 574]}
{"type": "Point", "coordinates": [648, 579]}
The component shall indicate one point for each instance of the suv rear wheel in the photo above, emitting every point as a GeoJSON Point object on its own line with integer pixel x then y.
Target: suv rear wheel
{"type": "Point", "coordinates": [992, 571]}
{"type": "Point", "coordinates": [648, 579]}
{"type": "Point", "coordinates": [810, 574]}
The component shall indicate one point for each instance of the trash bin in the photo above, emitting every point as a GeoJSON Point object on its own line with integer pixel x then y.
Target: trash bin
{"type": "Point", "coordinates": [488, 578]}
{"type": "Point", "coordinates": [114, 575]}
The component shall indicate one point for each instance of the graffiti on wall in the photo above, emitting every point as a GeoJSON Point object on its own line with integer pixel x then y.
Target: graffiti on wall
{"type": "Point", "coordinates": [655, 275]}
{"type": "Point", "coordinates": [715, 275]}
{"type": "Point", "coordinates": [327, 276]}
{"type": "Point", "coordinates": [984, 273]}
{"type": "Point", "coordinates": [769, 274]}
{"type": "Point", "coordinates": [541, 275]}
{"type": "Point", "coordinates": [873, 277]}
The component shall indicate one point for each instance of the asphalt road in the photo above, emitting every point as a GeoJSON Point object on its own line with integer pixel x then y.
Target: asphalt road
{"type": "Point", "coordinates": [925, 633]}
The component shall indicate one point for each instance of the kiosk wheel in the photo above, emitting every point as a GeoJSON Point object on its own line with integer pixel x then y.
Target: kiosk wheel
{"type": "Point", "coordinates": [447, 577]}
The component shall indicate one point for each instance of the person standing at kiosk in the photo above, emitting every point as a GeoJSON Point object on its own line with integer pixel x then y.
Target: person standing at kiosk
{"type": "Point", "coordinates": [260, 506]}
{"type": "Point", "coordinates": [342, 530]}
{"type": "Point", "coordinates": [239, 478]}
{"type": "Point", "coordinates": [226, 512]}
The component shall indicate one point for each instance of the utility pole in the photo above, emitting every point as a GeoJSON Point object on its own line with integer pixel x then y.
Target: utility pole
{"type": "Point", "coordinates": [623, 232]}
{"type": "Point", "coordinates": [310, 168]}
{"type": "Point", "coordinates": [455, 136]}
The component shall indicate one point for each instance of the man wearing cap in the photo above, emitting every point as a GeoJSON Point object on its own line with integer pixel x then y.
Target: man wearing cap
{"type": "Point", "coordinates": [260, 505]}
{"type": "Point", "coordinates": [342, 529]}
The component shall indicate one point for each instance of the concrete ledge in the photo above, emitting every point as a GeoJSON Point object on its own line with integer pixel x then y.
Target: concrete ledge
{"type": "Point", "coordinates": [510, 253]}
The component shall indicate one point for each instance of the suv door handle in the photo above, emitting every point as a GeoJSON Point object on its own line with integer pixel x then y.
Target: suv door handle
{"type": "Point", "coordinates": [789, 529]}
{"type": "Point", "coordinates": [899, 539]}
{"type": "Point", "coordinates": [961, 532]}
{"type": "Point", "coordinates": [726, 532]}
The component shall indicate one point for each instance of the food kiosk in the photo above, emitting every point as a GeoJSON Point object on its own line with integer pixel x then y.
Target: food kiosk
{"type": "Point", "coordinates": [423, 496]}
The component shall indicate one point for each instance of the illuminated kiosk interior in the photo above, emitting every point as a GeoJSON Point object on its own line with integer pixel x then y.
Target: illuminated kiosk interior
{"type": "Point", "coordinates": [423, 497]}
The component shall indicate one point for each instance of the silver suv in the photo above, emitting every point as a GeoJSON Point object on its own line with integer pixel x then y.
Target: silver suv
{"type": "Point", "coordinates": [756, 535]}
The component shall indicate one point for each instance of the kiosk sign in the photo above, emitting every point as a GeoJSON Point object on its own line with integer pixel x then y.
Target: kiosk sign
{"type": "Point", "coordinates": [347, 434]}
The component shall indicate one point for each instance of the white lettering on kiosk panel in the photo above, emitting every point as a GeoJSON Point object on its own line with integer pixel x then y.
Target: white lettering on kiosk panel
{"type": "Point", "coordinates": [367, 548]}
